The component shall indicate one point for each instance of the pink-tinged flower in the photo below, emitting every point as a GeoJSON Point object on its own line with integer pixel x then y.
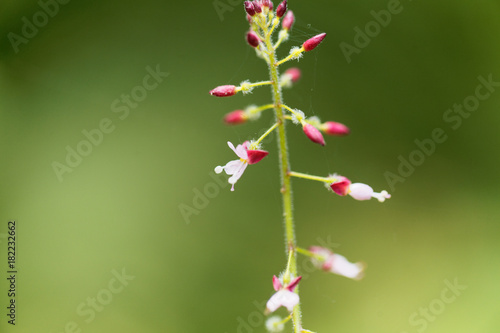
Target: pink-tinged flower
{"type": "Point", "coordinates": [311, 43]}
{"type": "Point", "coordinates": [284, 295]}
{"type": "Point", "coordinates": [246, 156]}
{"type": "Point", "coordinates": [224, 91]}
{"type": "Point", "coordinates": [294, 73]}
{"type": "Point", "coordinates": [313, 133]}
{"type": "Point", "coordinates": [334, 128]}
{"type": "Point", "coordinates": [288, 20]}
{"type": "Point", "coordinates": [236, 117]}
{"type": "Point", "coordinates": [253, 39]}
{"type": "Point", "coordinates": [337, 264]}
{"type": "Point", "coordinates": [280, 11]}
{"type": "Point", "coordinates": [249, 8]}
{"type": "Point", "coordinates": [359, 191]}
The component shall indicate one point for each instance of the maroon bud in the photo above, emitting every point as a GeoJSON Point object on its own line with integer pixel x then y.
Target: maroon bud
{"type": "Point", "coordinates": [280, 11]}
{"type": "Point", "coordinates": [249, 8]}
{"type": "Point", "coordinates": [235, 117]}
{"type": "Point", "coordinates": [313, 134]}
{"type": "Point", "coordinates": [253, 39]}
{"type": "Point", "coordinates": [257, 7]}
{"type": "Point", "coordinates": [311, 43]}
{"type": "Point", "coordinates": [288, 20]}
{"type": "Point", "coordinates": [271, 5]}
{"type": "Point", "coordinates": [294, 73]}
{"type": "Point", "coordinates": [223, 91]}
{"type": "Point", "coordinates": [334, 128]}
{"type": "Point", "coordinates": [255, 156]}
{"type": "Point", "coordinates": [265, 3]}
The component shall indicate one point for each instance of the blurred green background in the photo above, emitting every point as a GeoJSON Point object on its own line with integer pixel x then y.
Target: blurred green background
{"type": "Point", "coordinates": [119, 208]}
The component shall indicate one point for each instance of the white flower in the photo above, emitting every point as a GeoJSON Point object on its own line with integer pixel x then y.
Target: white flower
{"type": "Point", "coordinates": [336, 263]}
{"type": "Point", "coordinates": [284, 295]}
{"type": "Point", "coordinates": [275, 324]}
{"type": "Point", "coordinates": [236, 168]}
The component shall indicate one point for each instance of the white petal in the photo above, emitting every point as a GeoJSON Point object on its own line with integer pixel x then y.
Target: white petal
{"type": "Point", "coordinates": [233, 166]}
{"type": "Point", "coordinates": [241, 152]}
{"type": "Point", "coordinates": [342, 266]}
{"type": "Point", "coordinates": [238, 173]}
{"type": "Point", "coordinates": [360, 191]}
{"type": "Point", "coordinates": [284, 298]}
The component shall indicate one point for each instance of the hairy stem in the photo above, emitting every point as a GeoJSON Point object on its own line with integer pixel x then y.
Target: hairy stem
{"type": "Point", "coordinates": [286, 189]}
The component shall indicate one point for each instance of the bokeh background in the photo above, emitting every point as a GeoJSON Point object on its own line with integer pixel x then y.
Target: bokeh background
{"type": "Point", "coordinates": [119, 209]}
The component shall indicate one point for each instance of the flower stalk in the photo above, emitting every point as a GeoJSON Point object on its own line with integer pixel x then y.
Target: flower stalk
{"type": "Point", "coordinates": [263, 22]}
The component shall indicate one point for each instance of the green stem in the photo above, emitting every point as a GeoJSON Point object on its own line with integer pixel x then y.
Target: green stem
{"type": "Point", "coordinates": [310, 177]}
{"type": "Point", "coordinates": [286, 189]}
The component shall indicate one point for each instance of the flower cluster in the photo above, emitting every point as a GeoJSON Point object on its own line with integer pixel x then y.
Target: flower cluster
{"type": "Point", "coordinates": [263, 21]}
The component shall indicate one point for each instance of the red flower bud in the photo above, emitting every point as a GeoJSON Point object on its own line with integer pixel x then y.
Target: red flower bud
{"type": "Point", "coordinates": [341, 186]}
{"type": "Point", "coordinates": [294, 73]}
{"type": "Point", "coordinates": [288, 20]}
{"type": "Point", "coordinates": [255, 156]}
{"type": "Point", "coordinates": [223, 91]}
{"type": "Point", "coordinates": [334, 128]}
{"type": "Point", "coordinates": [235, 117]}
{"type": "Point", "coordinates": [271, 5]}
{"type": "Point", "coordinates": [280, 11]}
{"type": "Point", "coordinates": [253, 39]}
{"type": "Point", "coordinates": [311, 43]}
{"type": "Point", "coordinates": [249, 8]}
{"type": "Point", "coordinates": [257, 7]}
{"type": "Point", "coordinates": [265, 3]}
{"type": "Point", "coordinates": [313, 134]}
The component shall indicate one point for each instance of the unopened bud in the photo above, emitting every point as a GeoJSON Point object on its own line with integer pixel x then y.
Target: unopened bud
{"type": "Point", "coordinates": [288, 20]}
{"type": "Point", "coordinates": [257, 7]}
{"type": "Point", "coordinates": [280, 11]}
{"type": "Point", "coordinates": [249, 8]}
{"type": "Point", "coordinates": [223, 91]}
{"type": "Point", "coordinates": [311, 43]}
{"type": "Point", "coordinates": [235, 117]}
{"type": "Point", "coordinates": [334, 128]}
{"type": "Point", "coordinates": [271, 5]}
{"type": "Point", "coordinates": [313, 134]}
{"type": "Point", "coordinates": [253, 39]}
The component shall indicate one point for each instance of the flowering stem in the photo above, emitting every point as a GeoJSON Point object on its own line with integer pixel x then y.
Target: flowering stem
{"type": "Point", "coordinates": [245, 86]}
{"type": "Point", "coordinates": [286, 189]}
{"type": "Point", "coordinates": [261, 108]}
{"type": "Point", "coordinates": [309, 253]}
{"type": "Point", "coordinates": [310, 177]}
{"type": "Point", "coordinates": [293, 55]}
{"type": "Point", "coordinates": [291, 110]}
{"type": "Point", "coordinates": [256, 143]}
